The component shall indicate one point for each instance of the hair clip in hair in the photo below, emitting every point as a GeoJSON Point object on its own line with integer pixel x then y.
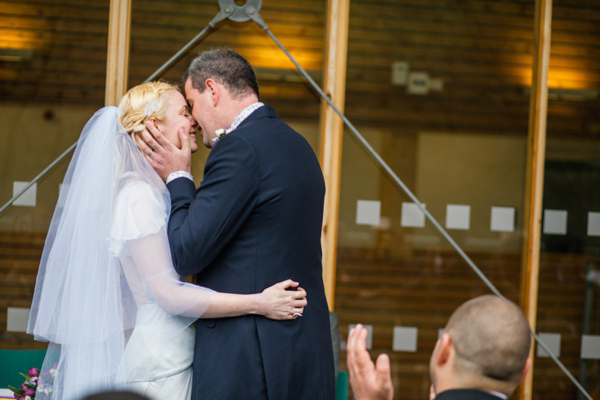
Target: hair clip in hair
{"type": "Point", "coordinates": [152, 107]}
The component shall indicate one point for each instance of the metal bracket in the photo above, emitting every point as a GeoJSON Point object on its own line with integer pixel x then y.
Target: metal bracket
{"type": "Point", "coordinates": [247, 12]}
{"type": "Point", "coordinates": [229, 10]}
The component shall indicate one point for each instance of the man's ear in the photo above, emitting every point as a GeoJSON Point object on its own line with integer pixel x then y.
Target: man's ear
{"type": "Point", "coordinates": [445, 351]}
{"type": "Point", "coordinates": [215, 91]}
{"type": "Point", "coordinates": [525, 369]}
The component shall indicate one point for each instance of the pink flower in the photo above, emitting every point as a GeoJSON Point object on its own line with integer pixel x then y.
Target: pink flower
{"type": "Point", "coordinates": [23, 387]}
{"type": "Point", "coordinates": [29, 392]}
{"type": "Point", "coordinates": [34, 372]}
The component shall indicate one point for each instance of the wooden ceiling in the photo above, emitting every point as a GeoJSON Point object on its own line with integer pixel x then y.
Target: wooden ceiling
{"type": "Point", "coordinates": [480, 49]}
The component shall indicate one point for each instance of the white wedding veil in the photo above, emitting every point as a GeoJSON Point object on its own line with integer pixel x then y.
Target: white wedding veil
{"type": "Point", "coordinates": [84, 303]}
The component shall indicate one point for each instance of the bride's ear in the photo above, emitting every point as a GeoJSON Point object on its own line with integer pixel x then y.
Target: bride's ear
{"type": "Point", "coordinates": [154, 122]}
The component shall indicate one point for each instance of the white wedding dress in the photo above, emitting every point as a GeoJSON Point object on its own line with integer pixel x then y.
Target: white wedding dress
{"type": "Point", "coordinates": [158, 356]}
{"type": "Point", "coordinates": [158, 363]}
{"type": "Point", "coordinates": [107, 298]}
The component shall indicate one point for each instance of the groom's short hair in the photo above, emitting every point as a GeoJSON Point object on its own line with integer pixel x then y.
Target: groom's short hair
{"type": "Point", "coordinates": [225, 67]}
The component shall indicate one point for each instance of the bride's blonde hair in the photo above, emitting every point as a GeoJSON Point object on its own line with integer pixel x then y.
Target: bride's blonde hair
{"type": "Point", "coordinates": [142, 102]}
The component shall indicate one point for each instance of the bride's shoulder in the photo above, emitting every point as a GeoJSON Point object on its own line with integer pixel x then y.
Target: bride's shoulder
{"type": "Point", "coordinates": [139, 196]}
{"type": "Point", "coordinates": [132, 185]}
{"type": "Point", "coordinates": [140, 210]}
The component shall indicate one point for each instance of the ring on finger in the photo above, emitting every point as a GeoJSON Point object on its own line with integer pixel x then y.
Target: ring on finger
{"type": "Point", "coordinates": [151, 152]}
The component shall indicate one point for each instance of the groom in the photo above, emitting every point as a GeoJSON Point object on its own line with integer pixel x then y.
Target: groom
{"type": "Point", "coordinates": [255, 220]}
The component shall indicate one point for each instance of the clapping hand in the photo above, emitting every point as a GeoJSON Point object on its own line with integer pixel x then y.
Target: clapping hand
{"type": "Point", "coordinates": [368, 381]}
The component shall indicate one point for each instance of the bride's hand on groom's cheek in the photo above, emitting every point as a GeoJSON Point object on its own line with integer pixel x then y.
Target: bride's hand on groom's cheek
{"type": "Point", "coordinates": [163, 155]}
{"type": "Point", "coordinates": [281, 304]}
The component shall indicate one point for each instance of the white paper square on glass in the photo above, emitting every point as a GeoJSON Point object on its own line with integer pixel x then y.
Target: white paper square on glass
{"type": "Point", "coordinates": [503, 219]}
{"type": "Point", "coordinates": [590, 347]}
{"type": "Point", "coordinates": [418, 82]}
{"type": "Point", "coordinates": [593, 227]}
{"type": "Point", "coordinates": [369, 329]}
{"type": "Point", "coordinates": [368, 212]}
{"type": "Point", "coordinates": [28, 198]}
{"type": "Point", "coordinates": [458, 216]}
{"type": "Point", "coordinates": [552, 341]}
{"type": "Point", "coordinates": [17, 319]}
{"type": "Point", "coordinates": [405, 338]}
{"type": "Point", "coordinates": [412, 216]}
{"type": "Point", "coordinates": [555, 222]}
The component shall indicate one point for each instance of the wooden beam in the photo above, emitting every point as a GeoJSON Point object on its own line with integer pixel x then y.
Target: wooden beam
{"type": "Point", "coordinates": [536, 155]}
{"type": "Point", "coordinates": [332, 128]}
{"type": "Point", "coordinates": [117, 59]}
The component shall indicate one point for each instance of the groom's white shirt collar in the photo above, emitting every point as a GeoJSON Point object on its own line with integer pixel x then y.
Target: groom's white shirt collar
{"type": "Point", "coordinates": [243, 115]}
{"type": "Point", "coordinates": [220, 133]}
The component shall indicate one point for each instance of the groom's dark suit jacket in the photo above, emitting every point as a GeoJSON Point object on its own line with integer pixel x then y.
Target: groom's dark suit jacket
{"type": "Point", "coordinates": [256, 220]}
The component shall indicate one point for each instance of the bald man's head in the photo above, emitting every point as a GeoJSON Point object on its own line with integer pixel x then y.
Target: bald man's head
{"type": "Point", "coordinates": [491, 341]}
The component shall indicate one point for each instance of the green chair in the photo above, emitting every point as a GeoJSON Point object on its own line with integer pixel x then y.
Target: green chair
{"type": "Point", "coordinates": [14, 361]}
{"type": "Point", "coordinates": [341, 389]}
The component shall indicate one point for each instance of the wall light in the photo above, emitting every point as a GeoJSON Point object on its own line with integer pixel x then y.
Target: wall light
{"type": "Point", "coordinates": [15, 55]}
{"type": "Point", "coordinates": [284, 75]}
{"type": "Point", "coordinates": [568, 94]}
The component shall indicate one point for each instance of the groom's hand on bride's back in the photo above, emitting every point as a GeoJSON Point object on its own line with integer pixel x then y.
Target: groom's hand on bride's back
{"type": "Point", "coordinates": [163, 155]}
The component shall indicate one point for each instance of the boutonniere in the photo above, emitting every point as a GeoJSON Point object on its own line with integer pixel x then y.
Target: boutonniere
{"type": "Point", "coordinates": [220, 134]}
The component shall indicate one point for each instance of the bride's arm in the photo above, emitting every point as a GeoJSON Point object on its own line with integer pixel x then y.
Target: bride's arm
{"type": "Point", "coordinates": [152, 259]}
{"type": "Point", "coordinates": [275, 302]}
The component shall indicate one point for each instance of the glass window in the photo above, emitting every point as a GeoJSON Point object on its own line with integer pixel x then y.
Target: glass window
{"type": "Point", "coordinates": [569, 288]}
{"type": "Point", "coordinates": [52, 79]}
{"type": "Point", "coordinates": [440, 91]}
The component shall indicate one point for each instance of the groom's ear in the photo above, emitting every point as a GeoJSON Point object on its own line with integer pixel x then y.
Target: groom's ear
{"type": "Point", "coordinates": [214, 91]}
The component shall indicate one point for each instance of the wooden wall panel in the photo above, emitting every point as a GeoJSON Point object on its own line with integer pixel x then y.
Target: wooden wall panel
{"type": "Point", "coordinates": [68, 44]}
{"type": "Point", "coordinates": [481, 49]}
{"type": "Point", "coordinates": [20, 255]}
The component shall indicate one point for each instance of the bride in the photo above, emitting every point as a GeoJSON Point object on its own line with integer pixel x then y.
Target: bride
{"type": "Point", "coordinates": [107, 297]}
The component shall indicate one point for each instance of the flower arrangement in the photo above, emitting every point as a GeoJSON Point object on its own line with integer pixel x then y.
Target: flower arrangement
{"type": "Point", "coordinates": [28, 388]}
{"type": "Point", "coordinates": [35, 382]}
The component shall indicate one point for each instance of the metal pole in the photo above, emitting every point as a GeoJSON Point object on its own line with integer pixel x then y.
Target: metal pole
{"type": "Point", "coordinates": [37, 178]}
{"type": "Point", "coordinates": [587, 311]}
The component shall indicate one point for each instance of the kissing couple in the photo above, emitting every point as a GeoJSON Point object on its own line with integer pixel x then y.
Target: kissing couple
{"type": "Point", "coordinates": [129, 222]}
